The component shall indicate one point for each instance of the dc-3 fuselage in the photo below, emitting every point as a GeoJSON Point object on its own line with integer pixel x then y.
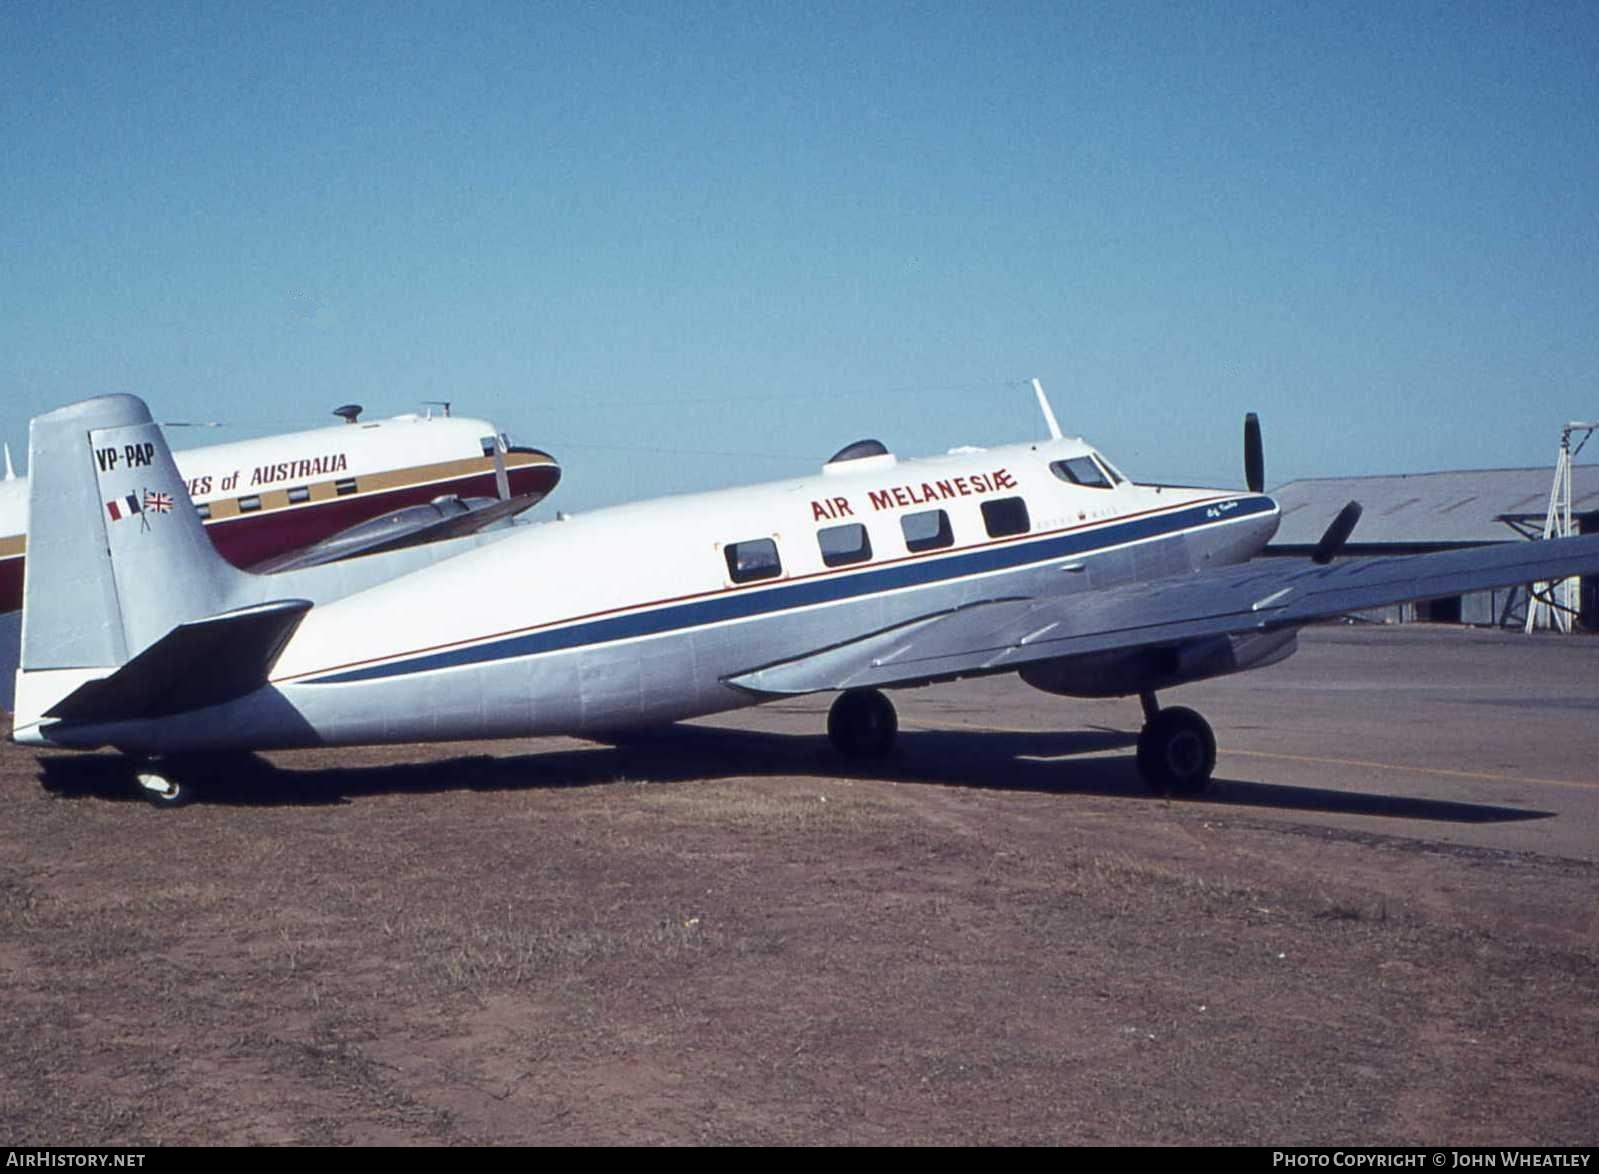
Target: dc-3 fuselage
{"type": "Point", "coordinates": [270, 497]}
{"type": "Point", "coordinates": [874, 573]}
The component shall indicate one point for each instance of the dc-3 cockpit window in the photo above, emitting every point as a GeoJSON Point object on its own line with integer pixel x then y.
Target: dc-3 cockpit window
{"type": "Point", "coordinates": [752, 560]}
{"type": "Point", "coordinates": [1006, 516]}
{"type": "Point", "coordinates": [928, 530]}
{"type": "Point", "coordinates": [842, 545]}
{"type": "Point", "coordinates": [1081, 471]}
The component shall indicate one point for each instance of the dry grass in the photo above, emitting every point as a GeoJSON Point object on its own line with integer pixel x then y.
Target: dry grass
{"type": "Point", "coordinates": [760, 961]}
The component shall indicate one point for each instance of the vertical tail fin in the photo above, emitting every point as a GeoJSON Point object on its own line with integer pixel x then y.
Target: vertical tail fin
{"type": "Point", "coordinates": [117, 556]}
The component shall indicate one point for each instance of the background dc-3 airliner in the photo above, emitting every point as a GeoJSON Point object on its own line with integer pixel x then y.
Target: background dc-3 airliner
{"type": "Point", "coordinates": [307, 497]}
{"type": "Point", "coordinates": [875, 573]}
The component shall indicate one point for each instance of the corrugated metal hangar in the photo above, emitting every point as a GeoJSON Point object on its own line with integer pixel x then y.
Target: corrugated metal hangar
{"type": "Point", "coordinates": [1419, 512]}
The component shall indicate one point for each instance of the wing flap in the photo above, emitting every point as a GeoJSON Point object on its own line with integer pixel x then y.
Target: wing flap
{"type": "Point", "coordinates": [198, 664]}
{"type": "Point", "coordinates": [1256, 597]}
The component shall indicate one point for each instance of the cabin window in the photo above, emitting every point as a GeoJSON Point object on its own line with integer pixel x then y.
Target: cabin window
{"type": "Point", "coordinates": [204, 510]}
{"type": "Point", "coordinates": [927, 530]}
{"type": "Point", "coordinates": [299, 493]}
{"type": "Point", "coordinates": [489, 444]}
{"type": "Point", "coordinates": [248, 505]}
{"type": "Point", "coordinates": [1109, 468]}
{"type": "Point", "coordinates": [344, 485]}
{"type": "Point", "coordinates": [1006, 516]}
{"type": "Point", "coordinates": [752, 560]}
{"type": "Point", "coordinates": [1080, 471]}
{"type": "Point", "coordinates": [842, 545]}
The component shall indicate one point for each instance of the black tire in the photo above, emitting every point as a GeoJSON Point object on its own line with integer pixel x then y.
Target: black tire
{"type": "Point", "coordinates": [1177, 752]}
{"type": "Point", "coordinates": [187, 776]}
{"type": "Point", "coordinates": [862, 724]}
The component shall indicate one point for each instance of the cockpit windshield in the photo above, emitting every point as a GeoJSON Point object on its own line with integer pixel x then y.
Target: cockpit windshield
{"type": "Point", "coordinates": [1115, 475]}
{"type": "Point", "coordinates": [1083, 471]}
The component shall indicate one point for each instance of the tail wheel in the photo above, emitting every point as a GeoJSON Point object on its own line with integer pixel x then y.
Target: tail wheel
{"type": "Point", "coordinates": [161, 788]}
{"type": "Point", "coordinates": [1177, 752]}
{"type": "Point", "coordinates": [862, 724]}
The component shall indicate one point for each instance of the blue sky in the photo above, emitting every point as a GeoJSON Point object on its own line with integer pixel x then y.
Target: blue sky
{"type": "Point", "coordinates": [683, 245]}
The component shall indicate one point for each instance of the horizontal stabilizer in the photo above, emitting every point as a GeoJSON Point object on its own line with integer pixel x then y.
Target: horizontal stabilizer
{"type": "Point", "coordinates": [197, 664]}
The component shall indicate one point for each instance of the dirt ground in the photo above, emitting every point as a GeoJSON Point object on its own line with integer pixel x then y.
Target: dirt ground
{"type": "Point", "coordinates": [716, 936]}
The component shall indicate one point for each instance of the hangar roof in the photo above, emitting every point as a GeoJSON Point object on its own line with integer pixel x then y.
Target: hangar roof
{"type": "Point", "coordinates": [1424, 508]}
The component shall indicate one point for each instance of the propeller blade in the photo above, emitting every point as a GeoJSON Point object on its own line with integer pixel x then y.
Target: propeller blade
{"type": "Point", "coordinates": [1254, 455]}
{"type": "Point", "coordinates": [1337, 534]}
{"type": "Point", "coordinates": [502, 481]}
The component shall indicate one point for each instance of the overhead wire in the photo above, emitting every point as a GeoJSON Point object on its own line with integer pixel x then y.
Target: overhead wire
{"type": "Point", "coordinates": [797, 398]}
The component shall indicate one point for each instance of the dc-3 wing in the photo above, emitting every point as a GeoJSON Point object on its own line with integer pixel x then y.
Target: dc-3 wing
{"type": "Point", "coordinates": [1007, 633]}
{"type": "Point", "coordinates": [416, 525]}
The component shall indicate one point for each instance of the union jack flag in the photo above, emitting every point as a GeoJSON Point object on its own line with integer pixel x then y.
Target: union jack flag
{"type": "Point", "coordinates": [161, 503]}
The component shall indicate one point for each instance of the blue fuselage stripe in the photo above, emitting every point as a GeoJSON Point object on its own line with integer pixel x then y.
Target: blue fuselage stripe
{"type": "Point", "coordinates": [738, 605]}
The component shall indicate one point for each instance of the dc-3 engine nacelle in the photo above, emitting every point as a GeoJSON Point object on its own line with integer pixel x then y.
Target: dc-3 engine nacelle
{"type": "Point", "coordinates": [1119, 674]}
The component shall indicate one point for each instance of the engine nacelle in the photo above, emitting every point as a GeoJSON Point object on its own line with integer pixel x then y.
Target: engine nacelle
{"type": "Point", "coordinates": [1119, 674]}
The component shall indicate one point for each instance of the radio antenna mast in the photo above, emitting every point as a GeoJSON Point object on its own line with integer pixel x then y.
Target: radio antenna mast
{"type": "Point", "coordinates": [1043, 406]}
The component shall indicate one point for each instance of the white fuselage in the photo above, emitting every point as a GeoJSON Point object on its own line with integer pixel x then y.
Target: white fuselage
{"type": "Point", "coordinates": [640, 613]}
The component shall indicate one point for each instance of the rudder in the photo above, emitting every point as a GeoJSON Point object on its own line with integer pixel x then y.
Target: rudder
{"type": "Point", "coordinates": [117, 556]}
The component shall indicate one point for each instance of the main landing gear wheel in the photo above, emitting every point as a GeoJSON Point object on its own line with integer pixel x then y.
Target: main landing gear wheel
{"type": "Point", "coordinates": [1176, 752]}
{"type": "Point", "coordinates": [862, 724]}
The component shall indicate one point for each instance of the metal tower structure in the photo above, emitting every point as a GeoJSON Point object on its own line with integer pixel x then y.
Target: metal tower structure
{"type": "Point", "coordinates": [1554, 605]}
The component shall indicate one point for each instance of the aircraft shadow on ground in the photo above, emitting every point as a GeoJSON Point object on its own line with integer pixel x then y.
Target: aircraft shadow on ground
{"type": "Point", "coordinates": [1051, 762]}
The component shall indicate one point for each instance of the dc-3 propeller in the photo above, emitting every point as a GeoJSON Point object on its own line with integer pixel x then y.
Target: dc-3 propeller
{"type": "Point", "coordinates": [1337, 532]}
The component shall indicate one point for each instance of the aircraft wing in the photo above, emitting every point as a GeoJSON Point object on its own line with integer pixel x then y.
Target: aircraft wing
{"type": "Point", "coordinates": [1261, 596]}
{"type": "Point", "coordinates": [417, 525]}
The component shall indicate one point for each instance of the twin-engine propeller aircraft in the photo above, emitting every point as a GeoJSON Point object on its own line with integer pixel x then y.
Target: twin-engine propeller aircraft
{"type": "Point", "coordinates": [1041, 559]}
{"type": "Point", "coordinates": [310, 497]}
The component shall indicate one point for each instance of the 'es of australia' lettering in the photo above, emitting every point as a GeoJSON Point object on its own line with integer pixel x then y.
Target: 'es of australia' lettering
{"type": "Point", "coordinates": [299, 470]}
